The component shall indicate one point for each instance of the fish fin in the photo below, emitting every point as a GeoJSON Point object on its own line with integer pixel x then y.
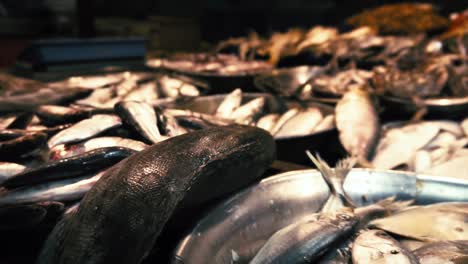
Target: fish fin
{"type": "Point", "coordinates": [342, 169]}
{"type": "Point", "coordinates": [325, 170]}
{"type": "Point", "coordinates": [391, 205]}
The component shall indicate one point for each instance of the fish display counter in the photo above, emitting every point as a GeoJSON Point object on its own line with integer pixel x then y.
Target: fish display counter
{"type": "Point", "coordinates": [306, 146]}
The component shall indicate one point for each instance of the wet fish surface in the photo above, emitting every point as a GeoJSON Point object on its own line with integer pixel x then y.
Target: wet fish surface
{"type": "Point", "coordinates": [164, 172]}
{"type": "Point", "coordinates": [444, 252]}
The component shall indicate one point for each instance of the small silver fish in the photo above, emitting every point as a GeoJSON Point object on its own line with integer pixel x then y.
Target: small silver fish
{"type": "Point", "coordinates": [85, 129]}
{"type": "Point", "coordinates": [140, 116]}
{"type": "Point", "coordinates": [171, 126]}
{"type": "Point", "coordinates": [327, 123]}
{"type": "Point", "coordinates": [267, 122]}
{"type": "Point", "coordinates": [146, 92]}
{"type": "Point", "coordinates": [9, 169]}
{"type": "Point", "coordinates": [375, 246]}
{"type": "Point", "coordinates": [172, 87]}
{"type": "Point", "coordinates": [99, 98]}
{"type": "Point", "coordinates": [245, 114]}
{"type": "Point", "coordinates": [283, 119]}
{"type": "Point", "coordinates": [358, 123]}
{"type": "Point", "coordinates": [63, 190]}
{"type": "Point", "coordinates": [230, 103]}
{"type": "Point", "coordinates": [444, 252]}
{"type": "Point", "coordinates": [301, 124]}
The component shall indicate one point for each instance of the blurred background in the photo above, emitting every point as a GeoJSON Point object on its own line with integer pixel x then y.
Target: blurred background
{"type": "Point", "coordinates": [168, 25]}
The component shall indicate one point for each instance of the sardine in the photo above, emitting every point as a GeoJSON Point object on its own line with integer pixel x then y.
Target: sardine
{"type": "Point", "coordinates": [358, 123]}
{"type": "Point", "coordinates": [422, 161]}
{"type": "Point", "coordinates": [457, 167]}
{"type": "Point", "coordinates": [13, 148]}
{"type": "Point", "coordinates": [230, 103]}
{"type": "Point", "coordinates": [268, 122]}
{"type": "Point", "coordinates": [464, 125]}
{"type": "Point", "coordinates": [62, 191]}
{"type": "Point", "coordinates": [141, 117]}
{"type": "Point", "coordinates": [99, 98]}
{"type": "Point", "coordinates": [306, 240]}
{"type": "Point", "coordinates": [146, 92]}
{"type": "Point", "coordinates": [21, 121]}
{"type": "Point", "coordinates": [172, 87]}
{"type": "Point", "coordinates": [445, 252]}
{"type": "Point", "coordinates": [398, 145]}
{"type": "Point", "coordinates": [376, 246]}
{"type": "Point", "coordinates": [301, 124]}
{"type": "Point", "coordinates": [442, 221]}
{"type": "Point", "coordinates": [85, 129]}
{"type": "Point", "coordinates": [43, 96]}
{"type": "Point", "coordinates": [86, 163]}
{"type": "Point", "coordinates": [8, 169]}
{"type": "Point", "coordinates": [170, 125]}
{"type": "Point", "coordinates": [143, 192]}
{"type": "Point", "coordinates": [52, 115]}
{"type": "Point", "coordinates": [94, 82]}
{"type": "Point", "coordinates": [443, 139]}
{"type": "Point", "coordinates": [66, 151]}
{"type": "Point", "coordinates": [327, 123]}
{"type": "Point", "coordinates": [283, 119]}
{"type": "Point", "coordinates": [305, 244]}
{"type": "Point", "coordinates": [245, 113]}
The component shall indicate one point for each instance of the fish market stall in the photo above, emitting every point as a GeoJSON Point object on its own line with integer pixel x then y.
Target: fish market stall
{"type": "Point", "coordinates": [334, 143]}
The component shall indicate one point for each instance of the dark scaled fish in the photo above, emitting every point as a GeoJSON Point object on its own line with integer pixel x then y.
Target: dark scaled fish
{"type": "Point", "coordinates": [85, 163]}
{"type": "Point", "coordinates": [27, 143]}
{"type": "Point", "coordinates": [27, 216]}
{"type": "Point", "coordinates": [141, 117]}
{"type": "Point", "coordinates": [52, 115]}
{"type": "Point", "coordinates": [134, 199]}
{"type": "Point", "coordinates": [444, 252]}
{"type": "Point", "coordinates": [376, 246]}
{"type": "Point", "coordinates": [70, 150]}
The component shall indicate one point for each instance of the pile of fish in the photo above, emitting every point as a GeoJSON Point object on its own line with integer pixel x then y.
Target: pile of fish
{"type": "Point", "coordinates": [430, 147]}
{"type": "Point", "coordinates": [207, 63]}
{"type": "Point", "coordinates": [385, 232]}
{"type": "Point", "coordinates": [295, 121]}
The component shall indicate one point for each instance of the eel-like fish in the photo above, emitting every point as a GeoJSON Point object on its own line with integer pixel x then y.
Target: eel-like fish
{"type": "Point", "coordinates": [120, 218]}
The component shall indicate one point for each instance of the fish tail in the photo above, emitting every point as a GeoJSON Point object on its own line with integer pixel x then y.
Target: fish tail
{"type": "Point", "coordinates": [342, 169]}
{"type": "Point", "coordinates": [391, 205]}
{"type": "Point", "coordinates": [325, 170]}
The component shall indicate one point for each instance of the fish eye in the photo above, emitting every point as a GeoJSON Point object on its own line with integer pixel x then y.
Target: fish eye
{"type": "Point", "coordinates": [394, 251]}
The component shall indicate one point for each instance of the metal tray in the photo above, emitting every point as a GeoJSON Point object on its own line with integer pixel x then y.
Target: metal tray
{"type": "Point", "coordinates": [240, 225]}
{"type": "Point", "coordinates": [444, 108]}
{"type": "Point", "coordinates": [288, 148]}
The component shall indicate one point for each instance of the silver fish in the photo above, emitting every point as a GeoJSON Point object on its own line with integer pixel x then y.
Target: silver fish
{"type": "Point", "coordinates": [65, 151]}
{"type": "Point", "coordinates": [375, 246]}
{"type": "Point", "coordinates": [210, 118]}
{"type": "Point", "coordinates": [398, 145]}
{"type": "Point", "coordinates": [93, 82]}
{"type": "Point", "coordinates": [63, 190]}
{"type": "Point", "coordinates": [245, 114]}
{"type": "Point", "coordinates": [146, 92]}
{"type": "Point", "coordinates": [126, 86]}
{"type": "Point", "coordinates": [171, 126]}
{"type": "Point", "coordinates": [268, 122]}
{"type": "Point", "coordinates": [446, 252]}
{"type": "Point", "coordinates": [327, 123]}
{"type": "Point", "coordinates": [357, 122]}
{"type": "Point", "coordinates": [464, 125]}
{"type": "Point", "coordinates": [140, 116]}
{"type": "Point", "coordinates": [307, 239]}
{"type": "Point", "coordinates": [172, 87]}
{"type": "Point", "coordinates": [301, 124]}
{"type": "Point", "coordinates": [457, 167]}
{"type": "Point", "coordinates": [99, 98]}
{"type": "Point", "coordinates": [283, 119]}
{"type": "Point", "coordinates": [230, 103]}
{"type": "Point", "coordinates": [85, 129]}
{"type": "Point", "coordinates": [436, 222]}
{"type": "Point", "coordinates": [422, 161]}
{"type": "Point", "coordinates": [9, 169]}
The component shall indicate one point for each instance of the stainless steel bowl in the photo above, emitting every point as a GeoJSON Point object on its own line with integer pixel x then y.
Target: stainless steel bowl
{"type": "Point", "coordinates": [288, 148]}
{"type": "Point", "coordinates": [240, 225]}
